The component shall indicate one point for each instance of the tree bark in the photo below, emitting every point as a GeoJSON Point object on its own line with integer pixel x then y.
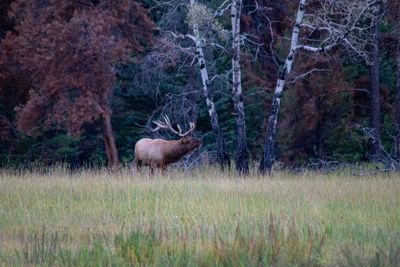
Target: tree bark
{"type": "Point", "coordinates": [223, 158]}
{"type": "Point", "coordinates": [242, 154]}
{"type": "Point", "coordinates": [109, 142]}
{"type": "Point", "coordinates": [268, 155]}
{"type": "Point", "coordinates": [397, 103]}
{"type": "Point", "coordinates": [375, 121]}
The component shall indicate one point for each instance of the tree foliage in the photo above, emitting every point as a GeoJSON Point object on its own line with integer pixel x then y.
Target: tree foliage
{"type": "Point", "coordinates": [70, 49]}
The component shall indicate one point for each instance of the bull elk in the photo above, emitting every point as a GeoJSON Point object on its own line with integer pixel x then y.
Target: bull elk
{"type": "Point", "coordinates": [158, 153]}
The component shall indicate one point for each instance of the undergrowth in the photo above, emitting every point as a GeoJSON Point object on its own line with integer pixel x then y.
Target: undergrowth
{"type": "Point", "coordinates": [274, 244]}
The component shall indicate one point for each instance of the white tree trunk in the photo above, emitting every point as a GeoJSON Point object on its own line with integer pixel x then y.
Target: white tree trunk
{"type": "Point", "coordinates": [223, 157]}
{"type": "Point", "coordinates": [242, 154]}
{"type": "Point", "coordinates": [269, 146]}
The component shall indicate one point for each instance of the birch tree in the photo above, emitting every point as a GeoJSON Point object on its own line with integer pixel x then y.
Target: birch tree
{"type": "Point", "coordinates": [223, 157]}
{"type": "Point", "coordinates": [192, 44]}
{"type": "Point", "coordinates": [242, 154]}
{"type": "Point", "coordinates": [196, 15]}
{"type": "Point", "coordinates": [343, 23]}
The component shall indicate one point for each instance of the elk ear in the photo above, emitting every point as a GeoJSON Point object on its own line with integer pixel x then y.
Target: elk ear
{"type": "Point", "coordinates": [184, 140]}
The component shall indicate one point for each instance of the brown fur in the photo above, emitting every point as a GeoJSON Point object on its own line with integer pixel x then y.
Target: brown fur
{"type": "Point", "coordinates": [158, 153]}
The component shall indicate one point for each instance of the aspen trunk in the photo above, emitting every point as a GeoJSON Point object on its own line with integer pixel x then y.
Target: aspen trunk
{"type": "Point", "coordinates": [223, 158]}
{"type": "Point", "coordinates": [268, 155]}
{"type": "Point", "coordinates": [397, 103]}
{"type": "Point", "coordinates": [242, 154]}
{"type": "Point", "coordinates": [109, 142]}
{"type": "Point", "coordinates": [374, 94]}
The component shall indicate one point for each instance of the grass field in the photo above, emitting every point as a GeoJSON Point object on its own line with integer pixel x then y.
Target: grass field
{"type": "Point", "coordinates": [202, 217]}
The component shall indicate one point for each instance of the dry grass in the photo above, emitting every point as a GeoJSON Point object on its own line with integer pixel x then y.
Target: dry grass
{"type": "Point", "coordinates": [89, 205]}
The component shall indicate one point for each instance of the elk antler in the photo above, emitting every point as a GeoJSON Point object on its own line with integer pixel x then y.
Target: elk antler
{"type": "Point", "coordinates": [167, 125]}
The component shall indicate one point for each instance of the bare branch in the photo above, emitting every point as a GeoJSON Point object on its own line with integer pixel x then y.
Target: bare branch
{"type": "Point", "coordinates": [316, 49]}
{"type": "Point", "coordinates": [304, 75]}
{"type": "Point", "coordinates": [222, 8]}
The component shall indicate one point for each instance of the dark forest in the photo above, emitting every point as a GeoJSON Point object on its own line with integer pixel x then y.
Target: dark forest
{"type": "Point", "coordinates": [290, 83]}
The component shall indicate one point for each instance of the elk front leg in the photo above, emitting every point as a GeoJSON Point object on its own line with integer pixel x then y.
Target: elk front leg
{"type": "Point", "coordinates": [138, 164]}
{"type": "Point", "coordinates": [163, 168]}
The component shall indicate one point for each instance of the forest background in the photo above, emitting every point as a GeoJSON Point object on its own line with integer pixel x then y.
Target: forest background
{"type": "Point", "coordinates": [82, 81]}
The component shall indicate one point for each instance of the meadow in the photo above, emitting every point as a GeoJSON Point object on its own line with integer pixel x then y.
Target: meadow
{"type": "Point", "coordinates": [198, 218]}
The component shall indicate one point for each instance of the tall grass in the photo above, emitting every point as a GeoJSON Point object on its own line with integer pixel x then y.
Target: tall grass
{"type": "Point", "coordinates": [151, 246]}
{"type": "Point", "coordinates": [199, 218]}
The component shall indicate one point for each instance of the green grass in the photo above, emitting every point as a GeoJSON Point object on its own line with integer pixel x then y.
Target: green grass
{"type": "Point", "coordinates": [202, 217]}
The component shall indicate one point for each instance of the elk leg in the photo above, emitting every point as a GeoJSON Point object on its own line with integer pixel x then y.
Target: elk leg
{"type": "Point", "coordinates": [152, 166]}
{"type": "Point", "coordinates": [163, 167]}
{"type": "Point", "coordinates": [138, 165]}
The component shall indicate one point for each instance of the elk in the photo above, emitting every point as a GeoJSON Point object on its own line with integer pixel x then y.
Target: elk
{"type": "Point", "coordinates": [158, 153]}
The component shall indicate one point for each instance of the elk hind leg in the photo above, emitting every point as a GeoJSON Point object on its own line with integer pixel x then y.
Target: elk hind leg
{"type": "Point", "coordinates": [152, 166]}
